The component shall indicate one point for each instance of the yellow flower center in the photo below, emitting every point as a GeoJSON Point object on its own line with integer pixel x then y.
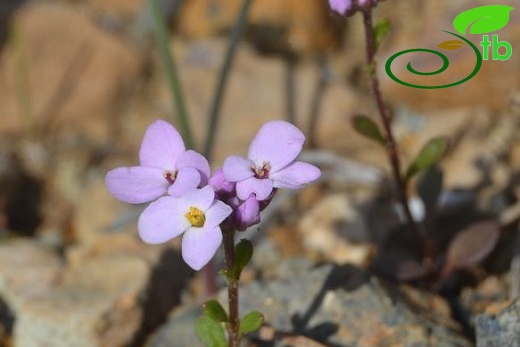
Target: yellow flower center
{"type": "Point", "coordinates": [196, 217]}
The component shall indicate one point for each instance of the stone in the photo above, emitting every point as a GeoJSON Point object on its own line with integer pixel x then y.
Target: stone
{"type": "Point", "coordinates": [500, 329]}
{"type": "Point", "coordinates": [331, 305]}
{"type": "Point", "coordinates": [70, 95]}
{"type": "Point", "coordinates": [335, 229]}
{"type": "Point", "coordinates": [27, 269]}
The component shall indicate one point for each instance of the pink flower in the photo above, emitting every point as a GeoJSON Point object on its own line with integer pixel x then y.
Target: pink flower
{"type": "Point", "coordinates": [340, 6]}
{"type": "Point", "coordinates": [349, 7]}
{"type": "Point", "coordinates": [270, 163]}
{"type": "Point", "coordinates": [165, 167]}
{"type": "Point", "coordinates": [196, 214]}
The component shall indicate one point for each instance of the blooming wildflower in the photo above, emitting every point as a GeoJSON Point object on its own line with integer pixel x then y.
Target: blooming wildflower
{"type": "Point", "coordinates": [270, 163]}
{"type": "Point", "coordinates": [196, 214]}
{"type": "Point", "coordinates": [165, 167]}
{"type": "Point", "coordinates": [349, 7]}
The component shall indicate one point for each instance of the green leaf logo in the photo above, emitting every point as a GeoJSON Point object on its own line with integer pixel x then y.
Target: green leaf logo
{"type": "Point", "coordinates": [451, 45]}
{"type": "Point", "coordinates": [483, 19]}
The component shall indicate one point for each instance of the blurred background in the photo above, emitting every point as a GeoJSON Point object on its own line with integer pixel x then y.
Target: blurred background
{"type": "Point", "coordinates": [80, 80]}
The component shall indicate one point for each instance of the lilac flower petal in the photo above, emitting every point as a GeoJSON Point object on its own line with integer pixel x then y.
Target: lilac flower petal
{"type": "Point", "coordinates": [262, 188]}
{"type": "Point", "coordinates": [295, 175]}
{"type": "Point", "coordinates": [199, 245]}
{"type": "Point", "coordinates": [162, 144]}
{"type": "Point", "coordinates": [195, 160]}
{"type": "Point", "coordinates": [200, 198]}
{"type": "Point", "coordinates": [163, 220]}
{"type": "Point", "coordinates": [278, 143]}
{"type": "Point", "coordinates": [222, 187]}
{"type": "Point", "coordinates": [237, 168]}
{"type": "Point", "coordinates": [216, 214]}
{"type": "Point", "coordinates": [187, 179]}
{"type": "Point", "coordinates": [248, 213]}
{"type": "Point", "coordinates": [137, 184]}
{"type": "Point", "coordinates": [340, 6]}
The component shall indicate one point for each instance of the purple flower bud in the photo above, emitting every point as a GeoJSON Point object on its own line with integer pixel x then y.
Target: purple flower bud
{"type": "Point", "coordinates": [247, 213]}
{"type": "Point", "coordinates": [222, 187]}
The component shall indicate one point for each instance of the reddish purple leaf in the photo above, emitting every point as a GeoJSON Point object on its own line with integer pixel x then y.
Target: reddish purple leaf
{"type": "Point", "coordinates": [471, 245]}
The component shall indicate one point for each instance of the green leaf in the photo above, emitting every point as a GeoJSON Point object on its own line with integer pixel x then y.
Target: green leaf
{"type": "Point", "coordinates": [483, 19]}
{"type": "Point", "coordinates": [215, 311]}
{"type": "Point", "coordinates": [367, 127]}
{"type": "Point", "coordinates": [210, 332]}
{"type": "Point", "coordinates": [429, 155]}
{"type": "Point", "coordinates": [381, 30]}
{"type": "Point", "coordinates": [451, 45]}
{"type": "Point", "coordinates": [243, 254]}
{"type": "Point", "coordinates": [429, 188]}
{"type": "Point", "coordinates": [251, 322]}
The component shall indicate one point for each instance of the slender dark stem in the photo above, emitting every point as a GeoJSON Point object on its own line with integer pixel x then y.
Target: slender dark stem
{"type": "Point", "coordinates": [172, 74]}
{"type": "Point", "coordinates": [290, 89]}
{"type": "Point", "coordinates": [317, 98]}
{"type": "Point", "coordinates": [391, 144]}
{"type": "Point", "coordinates": [229, 254]}
{"type": "Point", "coordinates": [216, 103]}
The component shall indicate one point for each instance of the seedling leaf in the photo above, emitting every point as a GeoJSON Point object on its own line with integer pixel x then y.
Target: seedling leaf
{"type": "Point", "coordinates": [243, 254]}
{"type": "Point", "coordinates": [483, 19]}
{"type": "Point", "coordinates": [429, 155]}
{"type": "Point", "coordinates": [251, 322]}
{"type": "Point", "coordinates": [215, 311]}
{"type": "Point", "coordinates": [398, 264]}
{"type": "Point", "coordinates": [472, 245]}
{"type": "Point", "coordinates": [429, 188]}
{"type": "Point", "coordinates": [367, 127]}
{"type": "Point", "coordinates": [210, 332]}
{"type": "Point", "coordinates": [381, 30]}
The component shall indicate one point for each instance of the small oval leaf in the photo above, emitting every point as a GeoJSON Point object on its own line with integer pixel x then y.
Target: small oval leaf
{"type": "Point", "coordinates": [243, 254]}
{"type": "Point", "coordinates": [472, 245]}
{"type": "Point", "coordinates": [429, 188]}
{"type": "Point", "coordinates": [429, 155]}
{"type": "Point", "coordinates": [210, 333]}
{"type": "Point", "coordinates": [215, 311]}
{"type": "Point", "coordinates": [451, 45]}
{"type": "Point", "coordinates": [381, 30]}
{"type": "Point", "coordinates": [367, 127]}
{"type": "Point", "coordinates": [483, 19]}
{"type": "Point", "coordinates": [251, 322]}
{"type": "Point", "coordinates": [399, 265]}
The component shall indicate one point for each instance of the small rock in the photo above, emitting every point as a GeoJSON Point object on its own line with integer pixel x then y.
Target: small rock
{"type": "Point", "coordinates": [340, 306]}
{"type": "Point", "coordinates": [27, 269]}
{"type": "Point", "coordinates": [501, 329]}
{"type": "Point", "coordinates": [335, 229]}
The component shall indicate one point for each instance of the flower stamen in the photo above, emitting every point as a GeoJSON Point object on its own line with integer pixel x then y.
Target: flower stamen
{"type": "Point", "coordinates": [196, 217]}
{"type": "Point", "coordinates": [262, 172]}
{"type": "Point", "coordinates": [170, 176]}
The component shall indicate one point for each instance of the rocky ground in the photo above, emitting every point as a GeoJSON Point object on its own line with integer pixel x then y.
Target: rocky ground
{"type": "Point", "coordinates": [79, 83]}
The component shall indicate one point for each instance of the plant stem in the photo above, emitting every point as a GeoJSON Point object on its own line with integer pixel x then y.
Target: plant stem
{"type": "Point", "coordinates": [172, 75]}
{"type": "Point", "coordinates": [391, 144]}
{"type": "Point", "coordinates": [214, 116]}
{"type": "Point", "coordinates": [229, 254]}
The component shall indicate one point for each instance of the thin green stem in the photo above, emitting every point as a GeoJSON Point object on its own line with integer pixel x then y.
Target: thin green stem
{"type": "Point", "coordinates": [216, 103]}
{"type": "Point", "coordinates": [391, 144]}
{"type": "Point", "coordinates": [228, 234]}
{"type": "Point", "coordinates": [174, 84]}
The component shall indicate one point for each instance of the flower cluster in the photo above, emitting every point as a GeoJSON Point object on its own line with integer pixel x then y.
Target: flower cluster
{"type": "Point", "coordinates": [349, 7]}
{"type": "Point", "coordinates": [185, 199]}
